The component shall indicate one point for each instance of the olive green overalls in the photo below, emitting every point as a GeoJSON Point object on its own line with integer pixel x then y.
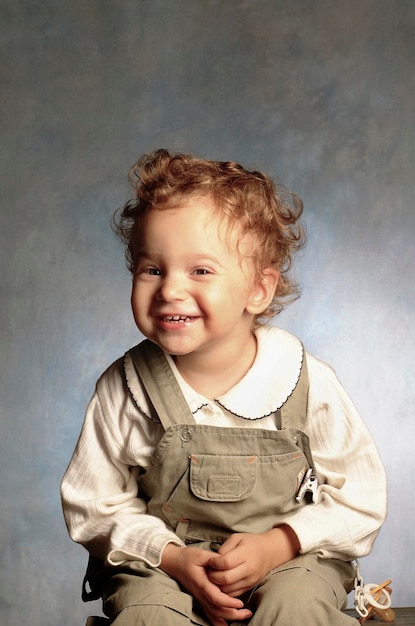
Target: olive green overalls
{"type": "Point", "coordinates": [207, 482]}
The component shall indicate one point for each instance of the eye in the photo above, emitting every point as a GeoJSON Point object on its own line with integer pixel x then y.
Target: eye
{"type": "Point", "coordinates": [149, 271]}
{"type": "Point", "coordinates": [201, 271]}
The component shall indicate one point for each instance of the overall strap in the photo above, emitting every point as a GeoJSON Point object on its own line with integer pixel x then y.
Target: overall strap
{"type": "Point", "coordinates": [162, 388]}
{"type": "Point", "coordinates": [293, 413]}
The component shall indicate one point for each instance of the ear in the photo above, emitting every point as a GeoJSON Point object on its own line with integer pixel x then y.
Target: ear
{"type": "Point", "coordinates": [263, 291]}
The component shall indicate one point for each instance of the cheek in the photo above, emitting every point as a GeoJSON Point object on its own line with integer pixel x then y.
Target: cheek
{"type": "Point", "coordinates": [141, 289]}
{"type": "Point", "coordinates": [212, 295]}
{"type": "Point", "coordinates": [134, 305]}
{"type": "Point", "coordinates": [138, 298]}
{"type": "Point", "coordinates": [227, 299]}
{"type": "Point", "coordinates": [134, 294]}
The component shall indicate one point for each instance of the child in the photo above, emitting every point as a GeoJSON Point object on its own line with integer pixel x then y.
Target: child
{"type": "Point", "coordinates": [222, 475]}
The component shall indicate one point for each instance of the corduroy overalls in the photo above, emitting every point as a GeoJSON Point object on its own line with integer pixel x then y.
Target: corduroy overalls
{"type": "Point", "coordinates": [207, 482]}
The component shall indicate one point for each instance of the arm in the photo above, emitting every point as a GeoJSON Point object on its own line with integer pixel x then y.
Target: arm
{"type": "Point", "coordinates": [351, 498]}
{"type": "Point", "coordinates": [99, 489]}
{"type": "Point", "coordinates": [351, 505]}
{"type": "Point", "coordinates": [101, 508]}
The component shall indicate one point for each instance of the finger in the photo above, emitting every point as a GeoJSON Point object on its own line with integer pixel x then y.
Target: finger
{"type": "Point", "coordinates": [222, 617]}
{"type": "Point", "coordinates": [229, 561]}
{"type": "Point", "coordinates": [227, 576]}
{"type": "Point", "coordinates": [237, 590]}
{"type": "Point", "coordinates": [233, 583]}
{"type": "Point", "coordinates": [231, 543]}
{"type": "Point", "coordinates": [218, 598]}
{"type": "Point", "coordinates": [215, 621]}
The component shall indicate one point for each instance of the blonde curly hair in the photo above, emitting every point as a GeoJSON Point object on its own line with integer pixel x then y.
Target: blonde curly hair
{"type": "Point", "coordinates": [161, 180]}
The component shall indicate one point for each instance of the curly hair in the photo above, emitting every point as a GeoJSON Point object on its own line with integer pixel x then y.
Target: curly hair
{"type": "Point", "coordinates": [161, 180]}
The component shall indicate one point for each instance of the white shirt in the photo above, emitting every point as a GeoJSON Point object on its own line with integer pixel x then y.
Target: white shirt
{"type": "Point", "coordinates": [99, 489]}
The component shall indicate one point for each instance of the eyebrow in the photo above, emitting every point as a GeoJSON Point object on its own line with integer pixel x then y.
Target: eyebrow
{"type": "Point", "coordinates": [207, 257]}
{"type": "Point", "coordinates": [196, 257]}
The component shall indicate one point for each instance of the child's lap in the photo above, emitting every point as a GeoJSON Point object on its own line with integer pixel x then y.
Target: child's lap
{"type": "Point", "coordinates": [307, 590]}
{"type": "Point", "coordinates": [145, 595]}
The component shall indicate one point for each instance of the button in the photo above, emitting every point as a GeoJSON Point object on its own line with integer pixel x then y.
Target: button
{"type": "Point", "coordinates": [186, 434]}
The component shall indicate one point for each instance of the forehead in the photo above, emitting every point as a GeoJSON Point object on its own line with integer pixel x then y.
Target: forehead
{"type": "Point", "coordinates": [197, 211]}
{"type": "Point", "coordinates": [191, 225]}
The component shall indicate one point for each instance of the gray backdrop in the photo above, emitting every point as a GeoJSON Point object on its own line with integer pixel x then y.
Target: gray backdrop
{"type": "Point", "coordinates": [318, 93]}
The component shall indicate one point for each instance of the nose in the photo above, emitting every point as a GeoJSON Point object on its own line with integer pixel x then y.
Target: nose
{"type": "Point", "coordinates": [171, 289]}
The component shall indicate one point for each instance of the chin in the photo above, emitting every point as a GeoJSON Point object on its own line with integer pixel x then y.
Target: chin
{"type": "Point", "coordinates": [172, 350]}
{"type": "Point", "coordinates": [175, 352]}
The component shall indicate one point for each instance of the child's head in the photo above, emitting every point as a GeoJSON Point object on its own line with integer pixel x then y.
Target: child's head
{"type": "Point", "coordinates": [248, 198]}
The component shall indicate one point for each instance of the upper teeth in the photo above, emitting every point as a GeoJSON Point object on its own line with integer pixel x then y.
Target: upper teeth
{"type": "Point", "coordinates": [177, 318]}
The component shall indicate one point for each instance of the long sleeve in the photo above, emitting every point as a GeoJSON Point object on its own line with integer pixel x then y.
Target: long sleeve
{"type": "Point", "coordinates": [118, 439]}
{"type": "Point", "coordinates": [99, 489]}
{"type": "Point", "coordinates": [351, 504]}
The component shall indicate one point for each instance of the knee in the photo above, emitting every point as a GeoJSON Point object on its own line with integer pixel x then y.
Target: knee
{"type": "Point", "coordinates": [133, 600]}
{"type": "Point", "coordinates": [144, 615]}
{"type": "Point", "coordinates": [293, 597]}
{"type": "Point", "coordinates": [306, 606]}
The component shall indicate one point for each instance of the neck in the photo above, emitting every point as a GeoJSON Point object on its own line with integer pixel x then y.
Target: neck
{"type": "Point", "coordinates": [212, 373]}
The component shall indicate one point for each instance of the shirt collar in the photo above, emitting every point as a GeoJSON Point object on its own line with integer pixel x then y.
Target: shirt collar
{"type": "Point", "coordinates": [267, 384]}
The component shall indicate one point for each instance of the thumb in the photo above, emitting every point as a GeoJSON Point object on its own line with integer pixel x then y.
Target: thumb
{"type": "Point", "coordinates": [230, 544]}
{"type": "Point", "coordinates": [213, 562]}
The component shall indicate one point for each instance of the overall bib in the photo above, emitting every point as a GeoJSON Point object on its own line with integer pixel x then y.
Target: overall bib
{"type": "Point", "coordinates": [207, 482]}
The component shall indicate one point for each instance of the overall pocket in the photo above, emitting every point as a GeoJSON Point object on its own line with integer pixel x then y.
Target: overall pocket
{"type": "Point", "coordinates": [222, 478]}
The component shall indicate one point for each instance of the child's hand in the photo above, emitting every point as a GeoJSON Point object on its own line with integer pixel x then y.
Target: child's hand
{"type": "Point", "coordinates": [189, 567]}
{"type": "Point", "coordinates": [245, 559]}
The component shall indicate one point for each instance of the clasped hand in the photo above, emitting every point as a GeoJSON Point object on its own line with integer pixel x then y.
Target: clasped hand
{"type": "Point", "coordinates": [217, 580]}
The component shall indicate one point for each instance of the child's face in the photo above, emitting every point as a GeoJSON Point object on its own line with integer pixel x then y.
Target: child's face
{"type": "Point", "coordinates": [193, 291]}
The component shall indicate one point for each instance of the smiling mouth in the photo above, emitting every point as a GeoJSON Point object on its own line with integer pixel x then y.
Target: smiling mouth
{"type": "Point", "coordinates": [176, 318]}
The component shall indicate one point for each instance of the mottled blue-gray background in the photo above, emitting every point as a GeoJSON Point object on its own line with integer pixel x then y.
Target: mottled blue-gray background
{"type": "Point", "coordinates": [318, 93]}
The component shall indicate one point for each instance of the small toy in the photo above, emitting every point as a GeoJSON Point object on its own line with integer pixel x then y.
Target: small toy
{"type": "Point", "coordinates": [371, 599]}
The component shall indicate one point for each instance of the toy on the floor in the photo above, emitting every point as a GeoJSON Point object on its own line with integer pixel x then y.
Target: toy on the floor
{"type": "Point", "coordinates": [371, 600]}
